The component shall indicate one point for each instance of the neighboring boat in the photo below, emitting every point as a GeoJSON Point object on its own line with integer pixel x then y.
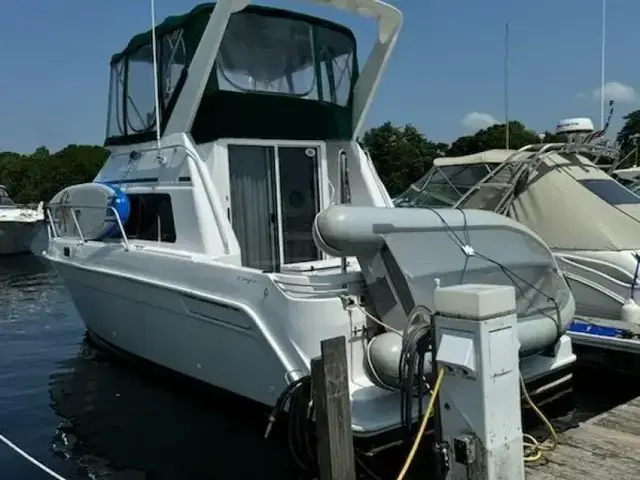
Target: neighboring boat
{"type": "Point", "coordinates": [627, 176]}
{"type": "Point", "coordinates": [590, 221]}
{"type": "Point", "coordinates": [19, 225]}
{"type": "Point", "coordinates": [195, 250]}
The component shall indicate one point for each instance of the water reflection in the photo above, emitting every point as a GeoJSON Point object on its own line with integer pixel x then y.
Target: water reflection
{"type": "Point", "coordinates": [26, 285]}
{"type": "Point", "coordinates": [120, 423]}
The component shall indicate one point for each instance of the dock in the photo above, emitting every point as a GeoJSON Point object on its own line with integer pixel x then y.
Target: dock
{"type": "Point", "coordinates": [606, 446]}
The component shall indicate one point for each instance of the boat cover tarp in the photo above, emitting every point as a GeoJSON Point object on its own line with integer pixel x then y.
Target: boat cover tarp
{"type": "Point", "coordinates": [569, 201]}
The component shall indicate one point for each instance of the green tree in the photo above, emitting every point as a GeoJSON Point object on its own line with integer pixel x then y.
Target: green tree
{"type": "Point", "coordinates": [629, 133]}
{"type": "Point", "coordinates": [39, 176]}
{"type": "Point", "coordinates": [41, 153]}
{"type": "Point", "coordinates": [494, 137]}
{"type": "Point", "coordinates": [401, 154]}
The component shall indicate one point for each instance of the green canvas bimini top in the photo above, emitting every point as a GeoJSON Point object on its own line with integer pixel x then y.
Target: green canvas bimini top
{"type": "Point", "coordinates": [176, 22]}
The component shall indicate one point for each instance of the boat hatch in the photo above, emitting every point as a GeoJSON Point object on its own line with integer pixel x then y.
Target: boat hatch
{"type": "Point", "coordinates": [277, 74]}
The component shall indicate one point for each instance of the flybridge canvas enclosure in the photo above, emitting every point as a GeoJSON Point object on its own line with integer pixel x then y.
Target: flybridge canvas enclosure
{"type": "Point", "coordinates": [269, 60]}
{"type": "Point", "coordinates": [403, 253]}
{"type": "Point", "coordinates": [567, 200]}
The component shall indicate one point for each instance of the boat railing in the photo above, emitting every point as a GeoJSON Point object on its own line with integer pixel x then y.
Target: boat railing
{"type": "Point", "coordinates": [620, 161]}
{"type": "Point", "coordinates": [71, 208]}
{"type": "Point", "coordinates": [200, 166]}
{"type": "Point", "coordinates": [527, 163]}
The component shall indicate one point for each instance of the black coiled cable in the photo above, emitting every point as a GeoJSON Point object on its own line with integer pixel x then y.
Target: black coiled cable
{"type": "Point", "coordinates": [296, 398]}
{"type": "Point", "coordinates": [416, 345]}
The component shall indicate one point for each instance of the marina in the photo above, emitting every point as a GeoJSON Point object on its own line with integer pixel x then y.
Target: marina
{"type": "Point", "coordinates": [260, 266]}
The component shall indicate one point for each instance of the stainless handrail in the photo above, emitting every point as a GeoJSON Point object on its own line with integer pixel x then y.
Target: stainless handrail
{"type": "Point", "coordinates": [71, 207]}
{"type": "Point", "coordinates": [197, 162]}
{"type": "Point", "coordinates": [510, 160]}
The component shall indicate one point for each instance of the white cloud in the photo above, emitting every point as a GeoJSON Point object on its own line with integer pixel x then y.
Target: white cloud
{"type": "Point", "coordinates": [478, 121]}
{"type": "Point", "coordinates": [618, 92]}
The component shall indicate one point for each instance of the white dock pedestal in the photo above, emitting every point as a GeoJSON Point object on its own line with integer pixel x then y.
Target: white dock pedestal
{"type": "Point", "coordinates": [479, 400]}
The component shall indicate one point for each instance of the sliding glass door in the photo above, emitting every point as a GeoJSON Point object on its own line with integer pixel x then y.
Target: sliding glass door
{"type": "Point", "coordinates": [274, 200]}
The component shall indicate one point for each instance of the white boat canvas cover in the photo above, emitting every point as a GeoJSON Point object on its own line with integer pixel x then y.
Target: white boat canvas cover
{"type": "Point", "coordinates": [568, 200]}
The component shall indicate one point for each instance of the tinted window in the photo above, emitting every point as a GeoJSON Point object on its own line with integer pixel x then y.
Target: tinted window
{"type": "Point", "coordinates": [610, 191]}
{"type": "Point", "coordinates": [151, 218]}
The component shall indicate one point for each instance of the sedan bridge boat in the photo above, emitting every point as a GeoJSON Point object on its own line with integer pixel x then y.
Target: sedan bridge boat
{"type": "Point", "coordinates": [224, 254]}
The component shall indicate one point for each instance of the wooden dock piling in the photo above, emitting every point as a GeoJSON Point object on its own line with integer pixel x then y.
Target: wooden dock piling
{"type": "Point", "coordinates": [330, 378]}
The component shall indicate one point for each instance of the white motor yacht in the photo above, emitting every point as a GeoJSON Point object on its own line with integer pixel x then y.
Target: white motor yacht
{"type": "Point", "coordinates": [239, 223]}
{"type": "Point", "coordinates": [19, 225]}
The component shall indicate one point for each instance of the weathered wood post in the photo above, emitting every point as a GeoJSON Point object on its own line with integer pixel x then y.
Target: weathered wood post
{"type": "Point", "coordinates": [330, 378]}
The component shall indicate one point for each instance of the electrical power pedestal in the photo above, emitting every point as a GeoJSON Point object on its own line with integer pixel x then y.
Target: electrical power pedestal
{"type": "Point", "coordinates": [479, 400]}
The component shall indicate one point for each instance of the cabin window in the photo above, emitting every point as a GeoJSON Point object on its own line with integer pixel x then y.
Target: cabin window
{"type": "Point", "coordinates": [610, 191]}
{"type": "Point", "coordinates": [132, 89]}
{"type": "Point", "coordinates": [151, 218]}
{"type": "Point", "coordinates": [336, 52]}
{"type": "Point", "coordinates": [267, 54]}
{"type": "Point", "coordinates": [173, 59]}
{"type": "Point", "coordinates": [140, 103]}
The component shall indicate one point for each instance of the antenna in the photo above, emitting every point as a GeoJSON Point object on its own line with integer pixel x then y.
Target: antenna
{"type": "Point", "coordinates": [506, 85]}
{"type": "Point", "coordinates": [604, 26]}
{"type": "Point", "coordinates": [154, 48]}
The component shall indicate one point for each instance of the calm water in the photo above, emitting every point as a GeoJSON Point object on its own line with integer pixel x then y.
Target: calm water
{"type": "Point", "coordinates": [88, 416]}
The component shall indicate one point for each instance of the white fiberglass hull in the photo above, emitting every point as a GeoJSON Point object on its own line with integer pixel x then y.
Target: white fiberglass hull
{"type": "Point", "coordinates": [235, 329]}
{"type": "Point", "coordinates": [17, 236]}
{"type": "Point", "coordinates": [600, 281]}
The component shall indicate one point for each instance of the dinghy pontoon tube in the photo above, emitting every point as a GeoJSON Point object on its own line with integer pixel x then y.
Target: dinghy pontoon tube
{"type": "Point", "coordinates": [394, 245]}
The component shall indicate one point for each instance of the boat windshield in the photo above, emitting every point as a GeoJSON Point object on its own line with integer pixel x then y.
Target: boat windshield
{"type": "Point", "coordinates": [5, 201]}
{"type": "Point", "coordinates": [443, 186]}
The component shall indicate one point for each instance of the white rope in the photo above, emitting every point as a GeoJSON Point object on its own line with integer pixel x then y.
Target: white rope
{"type": "Point", "coordinates": [31, 459]}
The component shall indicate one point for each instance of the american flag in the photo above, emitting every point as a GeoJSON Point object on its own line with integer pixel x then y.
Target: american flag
{"type": "Point", "coordinates": [600, 133]}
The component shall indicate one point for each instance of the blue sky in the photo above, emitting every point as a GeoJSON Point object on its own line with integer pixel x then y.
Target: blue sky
{"type": "Point", "coordinates": [448, 63]}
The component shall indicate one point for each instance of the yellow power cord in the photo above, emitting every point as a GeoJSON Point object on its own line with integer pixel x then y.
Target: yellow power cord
{"type": "Point", "coordinates": [423, 425]}
{"type": "Point", "coordinates": [531, 443]}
